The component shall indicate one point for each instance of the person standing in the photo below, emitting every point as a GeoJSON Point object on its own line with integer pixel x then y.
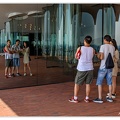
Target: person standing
{"type": "Point", "coordinates": [84, 69]}
{"type": "Point", "coordinates": [26, 58]}
{"type": "Point", "coordinates": [115, 69]}
{"type": "Point", "coordinates": [8, 59]}
{"type": "Point", "coordinates": [103, 72]}
{"type": "Point", "coordinates": [16, 58]}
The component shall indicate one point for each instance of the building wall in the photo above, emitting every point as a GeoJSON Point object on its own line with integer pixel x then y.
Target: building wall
{"type": "Point", "coordinates": [59, 31]}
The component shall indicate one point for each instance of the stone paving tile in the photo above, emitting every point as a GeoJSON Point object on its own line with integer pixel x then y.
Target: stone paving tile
{"type": "Point", "coordinates": [52, 100]}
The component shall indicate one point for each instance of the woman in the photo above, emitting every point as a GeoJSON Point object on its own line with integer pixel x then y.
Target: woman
{"type": "Point", "coordinates": [26, 58]}
{"type": "Point", "coordinates": [115, 69]}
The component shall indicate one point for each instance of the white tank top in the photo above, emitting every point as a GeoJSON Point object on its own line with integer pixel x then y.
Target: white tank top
{"type": "Point", "coordinates": [85, 62]}
{"type": "Point", "coordinates": [8, 55]}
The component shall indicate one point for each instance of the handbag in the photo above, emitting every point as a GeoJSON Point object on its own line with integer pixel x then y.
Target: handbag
{"type": "Point", "coordinates": [78, 54]}
{"type": "Point", "coordinates": [29, 58]}
{"type": "Point", "coordinates": [4, 50]}
{"type": "Point", "coordinates": [109, 62]}
{"type": "Point", "coordinates": [118, 63]}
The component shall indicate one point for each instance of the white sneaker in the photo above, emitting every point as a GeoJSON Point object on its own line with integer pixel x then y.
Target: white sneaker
{"type": "Point", "coordinates": [113, 95]}
{"type": "Point", "coordinates": [25, 74]}
{"type": "Point", "coordinates": [30, 74]}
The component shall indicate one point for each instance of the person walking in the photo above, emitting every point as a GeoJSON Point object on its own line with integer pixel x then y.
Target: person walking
{"type": "Point", "coordinates": [84, 69]}
{"type": "Point", "coordinates": [115, 69]}
{"type": "Point", "coordinates": [26, 58]}
{"type": "Point", "coordinates": [103, 71]}
{"type": "Point", "coordinates": [8, 59]}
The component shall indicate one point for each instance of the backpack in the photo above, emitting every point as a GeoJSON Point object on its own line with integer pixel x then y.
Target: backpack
{"type": "Point", "coordinates": [109, 62]}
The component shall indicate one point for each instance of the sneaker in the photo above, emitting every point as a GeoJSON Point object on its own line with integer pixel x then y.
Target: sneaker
{"type": "Point", "coordinates": [87, 100]}
{"type": "Point", "coordinates": [13, 75]}
{"type": "Point", "coordinates": [109, 99]}
{"type": "Point", "coordinates": [25, 74]}
{"type": "Point", "coordinates": [113, 95]}
{"type": "Point", "coordinates": [18, 74]}
{"type": "Point", "coordinates": [73, 100]}
{"type": "Point", "coordinates": [9, 76]}
{"type": "Point", "coordinates": [30, 74]}
{"type": "Point", "coordinates": [6, 76]}
{"type": "Point", "coordinates": [97, 100]}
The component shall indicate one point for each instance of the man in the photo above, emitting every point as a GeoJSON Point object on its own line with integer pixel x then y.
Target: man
{"type": "Point", "coordinates": [85, 69]}
{"type": "Point", "coordinates": [103, 72]}
{"type": "Point", "coordinates": [16, 58]}
{"type": "Point", "coordinates": [8, 59]}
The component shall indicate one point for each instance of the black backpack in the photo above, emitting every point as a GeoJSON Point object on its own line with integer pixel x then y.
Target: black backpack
{"type": "Point", "coordinates": [109, 62]}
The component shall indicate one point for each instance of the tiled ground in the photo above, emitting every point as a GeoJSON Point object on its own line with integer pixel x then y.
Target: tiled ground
{"type": "Point", "coordinates": [52, 99]}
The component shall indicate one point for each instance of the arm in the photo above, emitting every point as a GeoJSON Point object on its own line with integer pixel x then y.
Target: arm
{"type": "Point", "coordinates": [13, 49]}
{"type": "Point", "coordinates": [26, 50]}
{"type": "Point", "coordinates": [18, 49]}
{"type": "Point", "coordinates": [100, 55]}
{"type": "Point", "coordinates": [116, 56]}
{"type": "Point", "coordinates": [7, 50]}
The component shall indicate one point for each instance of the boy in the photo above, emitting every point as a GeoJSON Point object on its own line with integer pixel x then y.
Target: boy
{"type": "Point", "coordinates": [16, 58]}
{"type": "Point", "coordinates": [85, 69]}
{"type": "Point", "coordinates": [8, 59]}
{"type": "Point", "coordinates": [103, 72]}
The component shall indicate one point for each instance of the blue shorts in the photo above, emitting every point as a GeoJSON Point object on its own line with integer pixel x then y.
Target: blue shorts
{"type": "Point", "coordinates": [16, 62]}
{"type": "Point", "coordinates": [104, 73]}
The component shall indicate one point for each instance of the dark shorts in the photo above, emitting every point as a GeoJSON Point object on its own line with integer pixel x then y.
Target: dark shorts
{"type": "Point", "coordinates": [84, 76]}
{"type": "Point", "coordinates": [8, 62]}
{"type": "Point", "coordinates": [16, 62]}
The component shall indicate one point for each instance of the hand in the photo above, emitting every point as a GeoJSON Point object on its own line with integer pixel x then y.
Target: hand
{"type": "Point", "coordinates": [98, 55]}
{"type": "Point", "coordinates": [21, 50]}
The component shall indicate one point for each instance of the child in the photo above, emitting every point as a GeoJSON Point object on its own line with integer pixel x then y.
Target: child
{"type": "Point", "coordinates": [85, 69]}
{"type": "Point", "coordinates": [103, 72]}
{"type": "Point", "coordinates": [8, 59]}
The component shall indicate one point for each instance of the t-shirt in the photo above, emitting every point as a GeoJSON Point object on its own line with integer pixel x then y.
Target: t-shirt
{"type": "Point", "coordinates": [106, 49]}
{"type": "Point", "coordinates": [16, 48]}
{"type": "Point", "coordinates": [85, 62]}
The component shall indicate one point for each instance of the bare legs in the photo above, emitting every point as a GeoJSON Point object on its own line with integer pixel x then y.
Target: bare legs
{"type": "Point", "coordinates": [8, 70]}
{"type": "Point", "coordinates": [100, 91]}
{"type": "Point", "coordinates": [114, 84]}
{"type": "Point", "coordinates": [17, 69]}
{"type": "Point", "coordinates": [87, 90]}
{"type": "Point", "coordinates": [77, 88]}
{"type": "Point", "coordinates": [27, 66]}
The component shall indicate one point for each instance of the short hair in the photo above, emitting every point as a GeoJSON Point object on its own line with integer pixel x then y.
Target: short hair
{"type": "Point", "coordinates": [17, 40]}
{"type": "Point", "coordinates": [107, 38]}
{"type": "Point", "coordinates": [88, 39]}
{"type": "Point", "coordinates": [8, 41]}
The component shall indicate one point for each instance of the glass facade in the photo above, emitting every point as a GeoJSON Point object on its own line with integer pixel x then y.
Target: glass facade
{"type": "Point", "coordinates": [56, 34]}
